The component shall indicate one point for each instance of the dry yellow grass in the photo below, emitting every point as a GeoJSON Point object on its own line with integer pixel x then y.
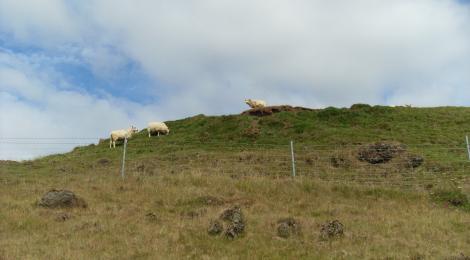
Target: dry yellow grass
{"type": "Point", "coordinates": [161, 216]}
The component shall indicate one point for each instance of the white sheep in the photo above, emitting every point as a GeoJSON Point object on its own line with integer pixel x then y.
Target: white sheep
{"type": "Point", "coordinates": [157, 127]}
{"type": "Point", "coordinates": [255, 103]}
{"type": "Point", "coordinates": [121, 135]}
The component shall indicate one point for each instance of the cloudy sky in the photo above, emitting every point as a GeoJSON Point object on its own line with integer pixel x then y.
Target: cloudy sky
{"type": "Point", "coordinates": [77, 69]}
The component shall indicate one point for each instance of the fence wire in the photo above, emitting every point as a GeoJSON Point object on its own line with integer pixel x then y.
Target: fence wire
{"type": "Point", "coordinates": [410, 166]}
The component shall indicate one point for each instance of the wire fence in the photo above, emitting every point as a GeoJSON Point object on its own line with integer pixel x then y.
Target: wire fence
{"type": "Point", "coordinates": [410, 166]}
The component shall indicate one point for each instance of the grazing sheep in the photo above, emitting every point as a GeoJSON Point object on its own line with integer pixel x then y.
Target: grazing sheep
{"type": "Point", "coordinates": [121, 135]}
{"type": "Point", "coordinates": [255, 103]}
{"type": "Point", "coordinates": [158, 127]}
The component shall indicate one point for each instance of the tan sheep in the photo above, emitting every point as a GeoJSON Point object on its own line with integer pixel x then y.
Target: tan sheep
{"type": "Point", "coordinates": [121, 135]}
{"type": "Point", "coordinates": [157, 127]}
{"type": "Point", "coordinates": [255, 103]}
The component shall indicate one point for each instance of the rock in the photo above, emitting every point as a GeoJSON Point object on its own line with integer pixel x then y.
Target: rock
{"type": "Point", "coordinates": [237, 223]}
{"type": "Point", "coordinates": [215, 228]}
{"type": "Point", "coordinates": [379, 152]}
{"type": "Point", "coordinates": [288, 227]}
{"type": "Point", "coordinates": [415, 161]}
{"type": "Point", "coordinates": [332, 229]}
{"type": "Point", "coordinates": [233, 214]}
{"type": "Point", "coordinates": [234, 230]}
{"type": "Point", "coordinates": [61, 199]}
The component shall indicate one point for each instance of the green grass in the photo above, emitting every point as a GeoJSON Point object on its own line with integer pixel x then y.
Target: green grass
{"type": "Point", "coordinates": [160, 209]}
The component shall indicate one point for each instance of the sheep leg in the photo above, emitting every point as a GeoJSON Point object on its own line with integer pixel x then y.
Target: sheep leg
{"type": "Point", "coordinates": [158, 133]}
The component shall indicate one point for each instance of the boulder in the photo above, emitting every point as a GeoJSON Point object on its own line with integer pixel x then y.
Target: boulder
{"type": "Point", "coordinates": [61, 199]}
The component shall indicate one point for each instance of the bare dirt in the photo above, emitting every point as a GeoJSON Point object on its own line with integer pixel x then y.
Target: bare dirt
{"type": "Point", "coordinates": [267, 111]}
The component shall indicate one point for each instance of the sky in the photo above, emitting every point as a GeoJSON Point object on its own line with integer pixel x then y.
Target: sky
{"type": "Point", "coordinates": [79, 69]}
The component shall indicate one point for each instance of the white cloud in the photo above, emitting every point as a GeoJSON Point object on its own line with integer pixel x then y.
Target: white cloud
{"type": "Point", "coordinates": [32, 107]}
{"type": "Point", "coordinates": [38, 21]}
{"type": "Point", "coordinates": [311, 52]}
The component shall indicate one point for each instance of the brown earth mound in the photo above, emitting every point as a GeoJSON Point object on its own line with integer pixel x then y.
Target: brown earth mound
{"type": "Point", "coordinates": [61, 199]}
{"type": "Point", "coordinates": [267, 111]}
{"type": "Point", "coordinates": [380, 152]}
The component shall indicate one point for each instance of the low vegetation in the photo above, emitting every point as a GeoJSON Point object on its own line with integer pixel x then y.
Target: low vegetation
{"type": "Point", "coordinates": [174, 199]}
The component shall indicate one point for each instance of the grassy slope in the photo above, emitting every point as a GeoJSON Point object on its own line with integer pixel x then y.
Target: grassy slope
{"type": "Point", "coordinates": [379, 222]}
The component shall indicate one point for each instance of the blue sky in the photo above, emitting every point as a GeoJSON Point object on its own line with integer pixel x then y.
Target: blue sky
{"type": "Point", "coordinates": [72, 69]}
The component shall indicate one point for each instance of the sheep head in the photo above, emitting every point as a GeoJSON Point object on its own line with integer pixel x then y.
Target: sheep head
{"type": "Point", "coordinates": [132, 130]}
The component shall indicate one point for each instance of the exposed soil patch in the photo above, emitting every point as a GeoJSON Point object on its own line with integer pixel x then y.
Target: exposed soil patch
{"type": "Point", "coordinates": [63, 216]}
{"type": "Point", "coordinates": [267, 111]}
{"type": "Point", "coordinates": [288, 227]}
{"type": "Point", "coordinates": [380, 152]}
{"type": "Point", "coordinates": [331, 229]}
{"type": "Point", "coordinates": [61, 199]}
{"type": "Point", "coordinates": [103, 161]}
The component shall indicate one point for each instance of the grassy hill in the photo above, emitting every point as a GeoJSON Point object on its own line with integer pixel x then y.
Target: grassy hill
{"type": "Point", "coordinates": [359, 124]}
{"type": "Point", "coordinates": [161, 208]}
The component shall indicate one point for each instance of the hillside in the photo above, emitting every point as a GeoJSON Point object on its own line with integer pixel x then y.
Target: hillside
{"type": "Point", "coordinates": [359, 124]}
{"type": "Point", "coordinates": [321, 137]}
{"type": "Point", "coordinates": [412, 204]}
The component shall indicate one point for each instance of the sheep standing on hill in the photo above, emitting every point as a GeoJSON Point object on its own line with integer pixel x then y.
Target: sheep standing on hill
{"type": "Point", "coordinates": [157, 127]}
{"type": "Point", "coordinates": [121, 135]}
{"type": "Point", "coordinates": [255, 103]}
